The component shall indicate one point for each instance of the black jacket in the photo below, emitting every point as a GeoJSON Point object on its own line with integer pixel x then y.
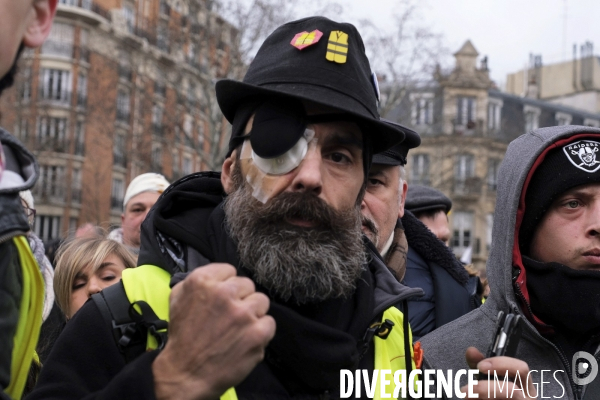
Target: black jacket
{"type": "Point", "coordinates": [12, 223]}
{"type": "Point", "coordinates": [186, 229]}
{"type": "Point", "coordinates": [431, 266]}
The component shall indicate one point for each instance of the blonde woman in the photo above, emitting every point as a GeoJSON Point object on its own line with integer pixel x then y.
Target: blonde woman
{"type": "Point", "coordinates": [85, 266]}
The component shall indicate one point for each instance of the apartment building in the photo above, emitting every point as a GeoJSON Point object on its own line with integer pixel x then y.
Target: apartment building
{"type": "Point", "coordinates": [121, 87]}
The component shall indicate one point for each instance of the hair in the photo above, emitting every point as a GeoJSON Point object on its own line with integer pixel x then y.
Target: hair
{"type": "Point", "coordinates": [430, 213]}
{"type": "Point", "coordinates": [75, 255]}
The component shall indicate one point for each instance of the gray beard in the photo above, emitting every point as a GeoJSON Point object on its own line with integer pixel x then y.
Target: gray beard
{"type": "Point", "coordinates": [305, 265]}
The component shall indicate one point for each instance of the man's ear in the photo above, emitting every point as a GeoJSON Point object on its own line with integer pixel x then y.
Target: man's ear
{"type": "Point", "coordinates": [402, 199]}
{"type": "Point", "coordinates": [40, 23]}
{"type": "Point", "coordinates": [226, 172]}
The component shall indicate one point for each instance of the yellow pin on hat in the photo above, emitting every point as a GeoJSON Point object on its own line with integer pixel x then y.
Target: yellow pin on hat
{"type": "Point", "coordinates": [337, 47]}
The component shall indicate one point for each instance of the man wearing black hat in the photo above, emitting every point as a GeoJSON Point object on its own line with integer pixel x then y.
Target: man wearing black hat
{"type": "Point", "coordinates": [544, 266]}
{"type": "Point", "coordinates": [284, 216]}
{"type": "Point", "coordinates": [431, 207]}
{"type": "Point", "coordinates": [417, 257]}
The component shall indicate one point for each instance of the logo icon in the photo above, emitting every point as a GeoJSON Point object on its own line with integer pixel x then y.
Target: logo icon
{"type": "Point", "coordinates": [584, 368]}
{"type": "Point", "coordinates": [337, 47]}
{"type": "Point", "coordinates": [582, 154]}
{"type": "Point", "coordinates": [305, 39]}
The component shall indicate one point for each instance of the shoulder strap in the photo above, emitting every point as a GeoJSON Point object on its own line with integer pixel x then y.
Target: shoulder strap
{"type": "Point", "coordinates": [114, 307]}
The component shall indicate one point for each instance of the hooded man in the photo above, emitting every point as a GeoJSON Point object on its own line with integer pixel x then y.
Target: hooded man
{"type": "Point", "coordinates": [284, 215]}
{"type": "Point", "coordinates": [544, 266]}
{"type": "Point", "coordinates": [23, 24]}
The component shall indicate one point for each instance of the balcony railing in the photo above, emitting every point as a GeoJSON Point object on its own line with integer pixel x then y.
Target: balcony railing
{"type": "Point", "coordinates": [58, 48]}
{"type": "Point", "coordinates": [60, 97]}
{"type": "Point", "coordinates": [467, 186]}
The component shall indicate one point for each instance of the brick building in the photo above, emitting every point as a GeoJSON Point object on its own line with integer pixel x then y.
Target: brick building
{"type": "Point", "coordinates": [120, 87]}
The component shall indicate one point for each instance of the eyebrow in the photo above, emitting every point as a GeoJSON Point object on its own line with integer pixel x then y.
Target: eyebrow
{"type": "Point", "coordinates": [344, 139]}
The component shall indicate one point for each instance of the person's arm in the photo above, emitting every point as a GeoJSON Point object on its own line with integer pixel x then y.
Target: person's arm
{"type": "Point", "coordinates": [85, 363]}
{"type": "Point", "coordinates": [217, 334]}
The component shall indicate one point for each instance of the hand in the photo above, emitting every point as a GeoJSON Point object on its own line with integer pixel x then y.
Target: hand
{"type": "Point", "coordinates": [502, 366]}
{"type": "Point", "coordinates": [218, 332]}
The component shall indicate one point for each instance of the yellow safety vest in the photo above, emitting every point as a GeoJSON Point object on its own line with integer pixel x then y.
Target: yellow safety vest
{"type": "Point", "coordinates": [30, 319]}
{"type": "Point", "coordinates": [150, 283]}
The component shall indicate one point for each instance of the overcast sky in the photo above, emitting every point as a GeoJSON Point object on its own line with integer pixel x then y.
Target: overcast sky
{"type": "Point", "coordinates": [504, 30]}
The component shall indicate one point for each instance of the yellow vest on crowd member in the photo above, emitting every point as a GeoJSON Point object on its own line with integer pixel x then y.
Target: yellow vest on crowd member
{"type": "Point", "coordinates": [30, 319]}
{"type": "Point", "coordinates": [150, 283]}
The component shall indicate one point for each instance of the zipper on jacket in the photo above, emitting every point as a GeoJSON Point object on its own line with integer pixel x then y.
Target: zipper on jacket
{"type": "Point", "coordinates": [575, 388]}
{"type": "Point", "coordinates": [7, 236]}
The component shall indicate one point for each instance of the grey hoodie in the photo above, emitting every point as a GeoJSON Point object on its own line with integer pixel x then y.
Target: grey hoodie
{"type": "Point", "coordinates": [445, 347]}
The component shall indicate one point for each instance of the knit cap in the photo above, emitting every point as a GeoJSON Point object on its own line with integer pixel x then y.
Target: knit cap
{"type": "Point", "coordinates": [148, 182]}
{"type": "Point", "coordinates": [563, 168]}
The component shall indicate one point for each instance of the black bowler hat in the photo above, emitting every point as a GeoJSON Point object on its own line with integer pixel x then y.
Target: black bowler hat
{"type": "Point", "coordinates": [396, 155]}
{"type": "Point", "coordinates": [313, 59]}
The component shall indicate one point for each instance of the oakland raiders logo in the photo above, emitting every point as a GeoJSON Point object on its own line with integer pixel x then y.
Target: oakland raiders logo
{"type": "Point", "coordinates": [582, 154]}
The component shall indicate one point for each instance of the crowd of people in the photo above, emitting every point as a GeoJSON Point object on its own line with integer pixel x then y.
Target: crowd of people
{"type": "Point", "coordinates": [308, 254]}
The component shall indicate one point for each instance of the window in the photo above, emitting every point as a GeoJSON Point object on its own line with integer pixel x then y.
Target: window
{"type": "Point", "coordinates": [191, 95]}
{"type": "Point", "coordinates": [162, 38]}
{"type": "Point", "coordinates": [462, 229]}
{"type": "Point", "coordinates": [464, 171]}
{"type": "Point", "coordinates": [129, 16]}
{"type": "Point", "coordinates": [532, 117]}
{"type": "Point", "coordinates": [157, 159]}
{"type": "Point", "coordinates": [492, 175]}
{"type": "Point", "coordinates": [123, 106]}
{"type": "Point", "coordinates": [26, 84]}
{"type": "Point", "coordinates": [464, 167]}
{"type": "Point", "coordinates": [52, 134]}
{"type": "Point", "coordinates": [82, 90]}
{"type": "Point", "coordinates": [176, 169]}
{"type": "Point", "coordinates": [76, 186]}
{"type": "Point", "coordinates": [116, 194]}
{"type": "Point", "coordinates": [489, 225]}
{"type": "Point", "coordinates": [187, 131]}
{"type": "Point", "coordinates": [119, 150]}
{"type": "Point", "coordinates": [419, 169]}
{"type": "Point", "coordinates": [563, 118]}
{"type": "Point", "coordinates": [79, 138]}
{"type": "Point", "coordinates": [84, 52]}
{"type": "Point", "coordinates": [60, 40]}
{"type": "Point", "coordinates": [422, 108]}
{"type": "Point", "coordinates": [466, 112]}
{"type": "Point", "coordinates": [157, 116]}
{"type": "Point", "coordinates": [494, 114]}
{"type": "Point", "coordinates": [50, 185]}
{"type": "Point", "coordinates": [47, 227]}
{"type": "Point", "coordinates": [22, 129]}
{"type": "Point", "coordinates": [201, 133]}
{"type": "Point", "coordinates": [56, 85]}
{"type": "Point", "coordinates": [187, 166]}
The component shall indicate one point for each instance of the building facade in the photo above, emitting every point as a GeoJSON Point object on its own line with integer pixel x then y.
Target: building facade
{"type": "Point", "coordinates": [121, 87]}
{"type": "Point", "coordinates": [465, 124]}
{"type": "Point", "coordinates": [573, 83]}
